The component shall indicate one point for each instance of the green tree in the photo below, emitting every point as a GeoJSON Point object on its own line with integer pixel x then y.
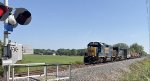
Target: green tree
{"type": "Point", "coordinates": [136, 48]}
{"type": "Point", "coordinates": [73, 52]}
{"type": "Point", "coordinates": [60, 51]}
{"type": "Point", "coordinates": [144, 53]}
{"type": "Point", "coordinates": [132, 50]}
{"type": "Point", "coordinates": [121, 45]}
{"type": "Point", "coordinates": [81, 52]}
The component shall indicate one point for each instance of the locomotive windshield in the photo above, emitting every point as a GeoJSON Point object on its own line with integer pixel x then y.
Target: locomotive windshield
{"type": "Point", "coordinates": [94, 44]}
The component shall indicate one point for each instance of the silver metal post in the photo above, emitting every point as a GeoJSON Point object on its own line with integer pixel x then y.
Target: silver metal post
{"type": "Point", "coordinates": [5, 32]}
{"type": "Point", "coordinates": [9, 71]}
{"type": "Point", "coordinates": [6, 72]}
{"type": "Point", "coordinates": [13, 71]}
{"type": "Point", "coordinates": [28, 73]}
{"type": "Point", "coordinates": [46, 73]}
{"type": "Point", "coordinates": [57, 72]}
{"type": "Point", "coordinates": [69, 72]}
{"type": "Point", "coordinates": [44, 70]}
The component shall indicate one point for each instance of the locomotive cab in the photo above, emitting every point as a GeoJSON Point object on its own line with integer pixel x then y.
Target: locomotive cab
{"type": "Point", "coordinates": [91, 56]}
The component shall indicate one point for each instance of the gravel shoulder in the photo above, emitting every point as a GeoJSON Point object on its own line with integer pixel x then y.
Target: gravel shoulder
{"type": "Point", "coordinates": [103, 72]}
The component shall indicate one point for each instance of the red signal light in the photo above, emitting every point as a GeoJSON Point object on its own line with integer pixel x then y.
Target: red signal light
{"type": "Point", "coordinates": [1, 12]}
{"type": "Point", "coordinates": [4, 12]}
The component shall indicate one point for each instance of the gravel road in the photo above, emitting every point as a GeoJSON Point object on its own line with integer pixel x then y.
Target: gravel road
{"type": "Point", "coordinates": [103, 72]}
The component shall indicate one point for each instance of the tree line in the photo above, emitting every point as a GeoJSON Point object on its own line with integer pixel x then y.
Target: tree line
{"type": "Point", "coordinates": [61, 51]}
{"type": "Point", "coordinates": [134, 48]}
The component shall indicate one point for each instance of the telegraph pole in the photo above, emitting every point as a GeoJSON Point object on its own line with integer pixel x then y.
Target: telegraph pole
{"type": "Point", "coordinates": [6, 73]}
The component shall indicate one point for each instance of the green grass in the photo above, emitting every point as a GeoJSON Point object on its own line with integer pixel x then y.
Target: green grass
{"type": "Point", "coordinates": [51, 59]}
{"type": "Point", "coordinates": [48, 59]}
{"type": "Point", "coordinates": [140, 71]}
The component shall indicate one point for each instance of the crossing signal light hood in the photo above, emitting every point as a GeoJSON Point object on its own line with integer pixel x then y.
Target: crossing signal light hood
{"type": "Point", "coordinates": [22, 16]}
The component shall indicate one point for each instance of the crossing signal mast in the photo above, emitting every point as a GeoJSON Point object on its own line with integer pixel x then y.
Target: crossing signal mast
{"type": "Point", "coordinates": [12, 17]}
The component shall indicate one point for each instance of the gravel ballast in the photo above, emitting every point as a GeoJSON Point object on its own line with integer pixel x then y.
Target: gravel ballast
{"type": "Point", "coordinates": [103, 72]}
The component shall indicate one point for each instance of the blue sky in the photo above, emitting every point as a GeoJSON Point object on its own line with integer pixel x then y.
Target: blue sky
{"type": "Point", "coordinates": [74, 23]}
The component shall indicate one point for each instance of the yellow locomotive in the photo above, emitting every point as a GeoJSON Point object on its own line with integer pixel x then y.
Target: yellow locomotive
{"type": "Point", "coordinates": [98, 52]}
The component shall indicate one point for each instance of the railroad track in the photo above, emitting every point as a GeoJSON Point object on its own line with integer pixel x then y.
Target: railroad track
{"type": "Point", "coordinates": [40, 72]}
{"type": "Point", "coordinates": [110, 71]}
{"type": "Point", "coordinates": [82, 70]}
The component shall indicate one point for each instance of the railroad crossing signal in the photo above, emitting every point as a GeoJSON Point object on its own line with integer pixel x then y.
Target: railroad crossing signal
{"type": "Point", "coordinates": [20, 16]}
{"type": "Point", "coordinates": [12, 17]}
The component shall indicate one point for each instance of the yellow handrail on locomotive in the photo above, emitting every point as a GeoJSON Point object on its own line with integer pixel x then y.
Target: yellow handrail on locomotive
{"type": "Point", "coordinates": [91, 51]}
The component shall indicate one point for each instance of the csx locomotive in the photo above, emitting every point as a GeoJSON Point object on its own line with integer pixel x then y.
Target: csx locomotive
{"type": "Point", "coordinates": [98, 52]}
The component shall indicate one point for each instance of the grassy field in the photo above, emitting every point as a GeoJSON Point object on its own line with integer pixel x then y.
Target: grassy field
{"type": "Point", "coordinates": [47, 59]}
{"type": "Point", "coordinates": [140, 71]}
{"type": "Point", "coordinates": [51, 59]}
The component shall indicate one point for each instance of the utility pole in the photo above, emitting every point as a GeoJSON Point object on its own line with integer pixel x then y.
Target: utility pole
{"type": "Point", "coordinates": [149, 23]}
{"type": "Point", "coordinates": [148, 11]}
{"type": "Point", "coordinates": [6, 73]}
{"type": "Point", "coordinates": [148, 19]}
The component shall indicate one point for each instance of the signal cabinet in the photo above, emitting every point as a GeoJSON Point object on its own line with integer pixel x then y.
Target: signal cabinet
{"type": "Point", "coordinates": [15, 52]}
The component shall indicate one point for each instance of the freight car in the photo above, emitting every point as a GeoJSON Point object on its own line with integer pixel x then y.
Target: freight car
{"type": "Point", "coordinates": [135, 55]}
{"type": "Point", "coordinates": [98, 52]}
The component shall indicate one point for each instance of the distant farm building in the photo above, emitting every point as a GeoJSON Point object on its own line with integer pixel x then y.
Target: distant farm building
{"type": "Point", "coordinates": [54, 54]}
{"type": "Point", "coordinates": [27, 49]}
